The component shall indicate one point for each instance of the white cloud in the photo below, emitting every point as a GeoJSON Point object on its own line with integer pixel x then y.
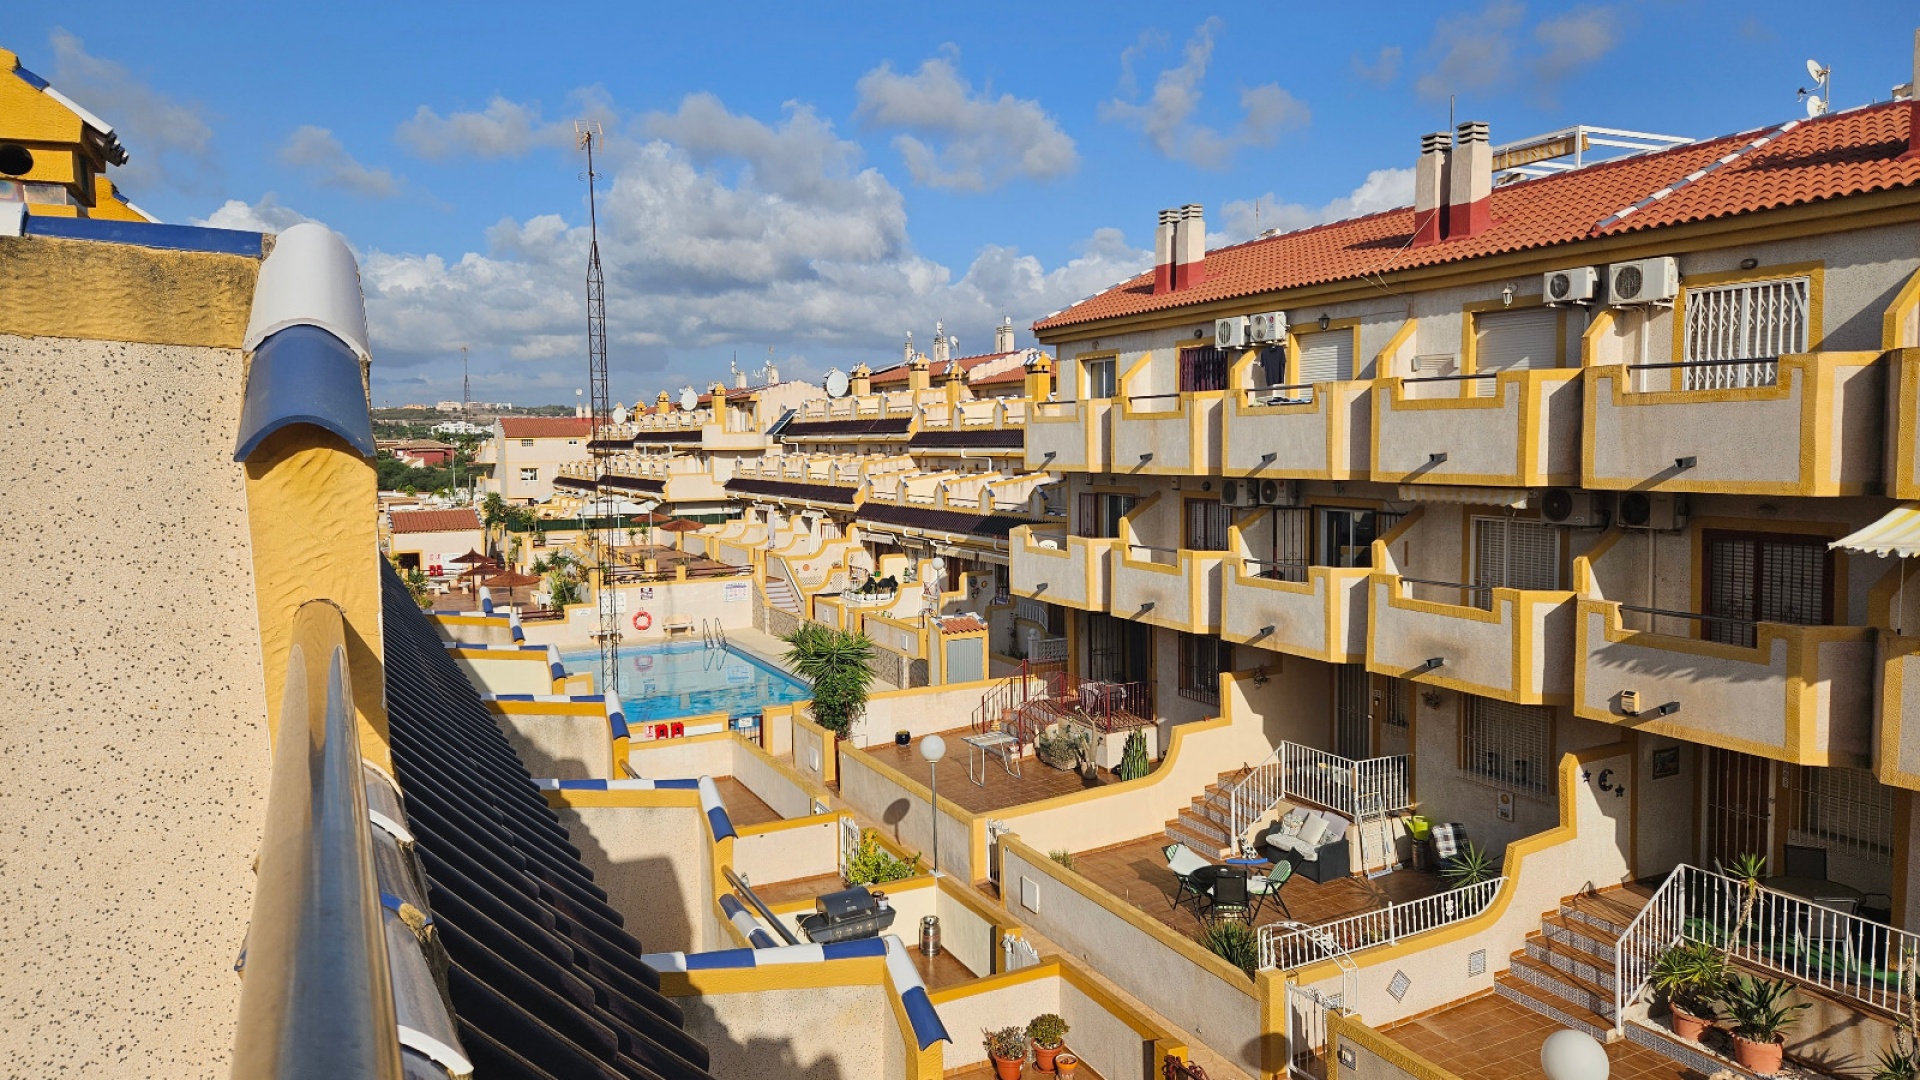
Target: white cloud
{"type": "Point", "coordinates": [1486, 50]}
{"type": "Point", "coordinates": [503, 129]}
{"type": "Point", "coordinates": [1166, 118]}
{"type": "Point", "coordinates": [957, 139]}
{"type": "Point", "coordinates": [316, 150]}
{"type": "Point", "coordinates": [1382, 69]}
{"type": "Point", "coordinates": [266, 215]}
{"type": "Point", "coordinates": [169, 144]}
{"type": "Point", "coordinates": [1383, 189]}
{"type": "Point", "coordinates": [1574, 40]}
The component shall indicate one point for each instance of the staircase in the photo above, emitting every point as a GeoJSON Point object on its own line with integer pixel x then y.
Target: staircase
{"type": "Point", "coordinates": [1565, 972]}
{"type": "Point", "coordinates": [781, 595]}
{"type": "Point", "coordinates": [1206, 826]}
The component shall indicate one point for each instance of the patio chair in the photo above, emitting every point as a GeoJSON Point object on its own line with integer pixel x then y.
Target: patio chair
{"type": "Point", "coordinates": [1267, 887]}
{"type": "Point", "coordinates": [1805, 861]}
{"type": "Point", "coordinates": [1230, 896]}
{"type": "Point", "coordinates": [1182, 860]}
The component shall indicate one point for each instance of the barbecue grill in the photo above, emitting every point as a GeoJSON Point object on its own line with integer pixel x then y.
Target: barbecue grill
{"type": "Point", "coordinates": [845, 916]}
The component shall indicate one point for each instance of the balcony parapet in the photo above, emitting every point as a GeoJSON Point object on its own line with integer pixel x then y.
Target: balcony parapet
{"type": "Point", "coordinates": [1516, 649]}
{"type": "Point", "coordinates": [1318, 432]}
{"type": "Point", "coordinates": [1072, 571]}
{"type": "Point", "coordinates": [1323, 617]}
{"type": "Point", "coordinates": [1168, 434]}
{"type": "Point", "coordinates": [1526, 433]}
{"type": "Point", "coordinates": [1069, 436]}
{"type": "Point", "coordinates": [1178, 589]}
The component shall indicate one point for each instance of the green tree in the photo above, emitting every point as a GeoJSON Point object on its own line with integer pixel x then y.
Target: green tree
{"type": "Point", "coordinates": [836, 664]}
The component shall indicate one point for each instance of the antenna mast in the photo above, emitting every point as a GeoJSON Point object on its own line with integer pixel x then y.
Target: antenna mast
{"type": "Point", "coordinates": [466, 387]}
{"type": "Point", "coordinates": [588, 136]}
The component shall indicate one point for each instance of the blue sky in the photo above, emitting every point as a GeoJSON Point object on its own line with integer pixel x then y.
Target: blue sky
{"type": "Point", "coordinates": [821, 184]}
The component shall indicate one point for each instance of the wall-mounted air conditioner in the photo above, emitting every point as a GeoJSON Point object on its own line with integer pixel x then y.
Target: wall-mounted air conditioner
{"type": "Point", "coordinates": [1643, 281]}
{"type": "Point", "coordinates": [1267, 328]}
{"type": "Point", "coordinates": [1279, 493]}
{"type": "Point", "coordinates": [1576, 508]}
{"type": "Point", "coordinates": [1662, 511]}
{"type": "Point", "coordinates": [1575, 286]}
{"type": "Point", "coordinates": [1230, 333]}
{"type": "Point", "coordinates": [1240, 492]}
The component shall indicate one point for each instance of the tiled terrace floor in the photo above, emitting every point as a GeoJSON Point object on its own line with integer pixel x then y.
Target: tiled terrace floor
{"type": "Point", "coordinates": [806, 888]}
{"type": "Point", "coordinates": [1496, 1039]}
{"type": "Point", "coordinates": [1137, 872]}
{"type": "Point", "coordinates": [1035, 783]}
{"type": "Point", "coordinates": [743, 806]}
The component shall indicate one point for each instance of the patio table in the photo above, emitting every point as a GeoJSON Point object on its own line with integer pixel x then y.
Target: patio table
{"type": "Point", "coordinates": [1819, 890]}
{"type": "Point", "coordinates": [992, 744]}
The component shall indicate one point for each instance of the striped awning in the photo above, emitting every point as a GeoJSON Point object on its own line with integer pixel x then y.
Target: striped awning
{"type": "Point", "coordinates": [1896, 533]}
{"type": "Point", "coordinates": [1474, 496]}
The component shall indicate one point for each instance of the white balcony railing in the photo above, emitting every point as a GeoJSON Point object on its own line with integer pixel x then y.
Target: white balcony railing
{"type": "Point", "coordinates": [1293, 771]}
{"type": "Point", "coordinates": [1828, 949]}
{"type": "Point", "coordinates": [1049, 650]}
{"type": "Point", "coordinates": [1291, 945]}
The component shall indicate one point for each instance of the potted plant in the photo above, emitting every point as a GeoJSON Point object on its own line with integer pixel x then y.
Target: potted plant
{"type": "Point", "coordinates": [1007, 1047]}
{"type": "Point", "coordinates": [1420, 831]}
{"type": "Point", "coordinates": [1047, 1032]}
{"type": "Point", "coordinates": [1690, 975]}
{"type": "Point", "coordinates": [1065, 1064]}
{"type": "Point", "coordinates": [1760, 1018]}
{"type": "Point", "coordinates": [1470, 867]}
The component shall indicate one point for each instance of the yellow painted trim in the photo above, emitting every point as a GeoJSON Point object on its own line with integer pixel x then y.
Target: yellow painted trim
{"type": "Point", "coordinates": [1123, 387]}
{"type": "Point", "coordinates": [1176, 741]}
{"type": "Point", "coordinates": [547, 708]}
{"type": "Point", "coordinates": [1385, 358]}
{"type": "Point", "coordinates": [84, 290]}
{"type": "Point", "coordinates": [1080, 361]}
{"type": "Point", "coordinates": [821, 975]}
{"type": "Point", "coordinates": [1328, 582]}
{"type": "Point", "coordinates": [1334, 326]}
{"type": "Point", "coordinates": [1235, 411]}
{"type": "Point", "coordinates": [1904, 370]}
{"type": "Point", "coordinates": [1893, 722]}
{"type": "Point", "coordinates": [1599, 325]}
{"type": "Point", "coordinates": [624, 799]}
{"type": "Point", "coordinates": [1515, 608]}
{"type": "Point", "coordinates": [1470, 333]}
{"type": "Point", "coordinates": [1899, 310]}
{"type": "Point", "coordinates": [1342, 1028]}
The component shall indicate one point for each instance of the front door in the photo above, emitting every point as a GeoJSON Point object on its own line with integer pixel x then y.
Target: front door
{"type": "Point", "coordinates": [1352, 711]}
{"type": "Point", "coordinates": [1738, 816]}
{"type": "Point", "coordinates": [1118, 650]}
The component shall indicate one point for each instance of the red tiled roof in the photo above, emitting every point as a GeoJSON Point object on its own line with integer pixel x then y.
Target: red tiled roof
{"type": "Point", "coordinates": [422, 521]}
{"type": "Point", "coordinates": [898, 372]}
{"type": "Point", "coordinates": [1843, 154]}
{"type": "Point", "coordinates": [545, 427]}
{"type": "Point", "coordinates": [1011, 375]}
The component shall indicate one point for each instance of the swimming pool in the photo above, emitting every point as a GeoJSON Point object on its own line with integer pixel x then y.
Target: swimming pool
{"type": "Point", "coordinates": [666, 682]}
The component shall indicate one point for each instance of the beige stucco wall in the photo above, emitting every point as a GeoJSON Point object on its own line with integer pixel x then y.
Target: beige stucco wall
{"type": "Point", "coordinates": [899, 807]}
{"type": "Point", "coordinates": [824, 1032]}
{"type": "Point", "coordinates": [437, 548]}
{"type": "Point", "coordinates": [135, 741]}
{"type": "Point", "coordinates": [506, 672]}
{"type": "Point", "coordinates": [802, 850]}
{"type": "Point", "coordinates": [653, 861]}
{"type": "Point", "coordinates": [1324, 616]}
{"type": "Point", "coordinates": [547, 455]}
{"type": "Point", "coordinates": [1298, 436]}
{"type": "Point", "coordinates": [560, 746]}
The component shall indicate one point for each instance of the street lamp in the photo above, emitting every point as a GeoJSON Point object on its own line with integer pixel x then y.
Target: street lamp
{"type": "Point", "coordinates": [1573, 1055]}
{"type": "Point", "coordinates": [933, 748]}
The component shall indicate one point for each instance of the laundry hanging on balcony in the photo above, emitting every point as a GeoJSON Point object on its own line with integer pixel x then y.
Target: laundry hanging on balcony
{"type": "Point", "coordinates": [1896, 533]}
{"type": "Point", "coordinates": [1472, 496]}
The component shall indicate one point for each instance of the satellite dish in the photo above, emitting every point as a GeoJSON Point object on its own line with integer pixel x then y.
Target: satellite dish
{"type": "Point", "coordinates": [688, 399]}
{"type": "Point", "coordinates": [1815, 107]}
{"type": "Point", "coordinates": [1815, 70]}
{"type": "Point", "coordinates": [836, 383]}
{"type": "Point", "coordinates": [620, 414]}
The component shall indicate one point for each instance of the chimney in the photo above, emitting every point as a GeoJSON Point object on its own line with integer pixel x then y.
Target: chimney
{"type": "Point", "coordinates": [940, 353]}
{"type": "Point", "coordinates": [1190, 248]}
{"type": "Point", "coordinates": [1163, 251]}
{"type": "Point", "coordinates": [1003, 336]}
{"type": "Point", "coordinates": [1039, 376]}
{"type": "Point", "coordinates": [1430, 190]}
{"type": "Point", "coordinates": [918, 378]}
{"type": "Point", "coordinates": [860, 384]}
{"type": "Point", "coordinates": [906, 357]}
{"type": "Point", "coordinates": [1469, 181]}
{"type": "Point", "coordinates": [663, 403]}
{"type": "Point", "coordinates": [956, 384]}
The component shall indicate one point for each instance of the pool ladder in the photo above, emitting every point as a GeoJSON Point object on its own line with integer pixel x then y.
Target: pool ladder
{"type": "Point", "coordinates": [712, 634]}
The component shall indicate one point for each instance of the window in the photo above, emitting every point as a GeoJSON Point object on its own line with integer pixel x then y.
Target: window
{"type": "Point", "coordinates": [1202, 659]}
{"type": "Point", "coordinates": [1100, 378]}
{"type": "Point", "coordinates": [1513, 554]}
{"type": "Point", "coordinates": [1292, 549]}
{"type": "Point", "coordinates": [526, 442]}
{"type": "Point", "coordinates": [1760, 577]}
{"type": "Point", "coordinates": [1347, 536]}
{"type": "Point", "coordinates": [529, 474]}
{"type": "Point", "coordinates": [1736, 332]}
{"type": "Point", "coordinates": [1324, 356]}
{"type": "Point", "coordinates": [1509, 746]}
{"type": "Point", "coordinates": [1100, 514]}
{"type": "Point", "coordinates": [1840, 809]}
{"type": "Point", "coordinates": [1203, 368]}
{"type": "Point", "coordinates": [1118, 650]}
{"type": "Point", "coordinates": [1206, 526]}
{"type": "Point", "coordinates": [1514, 341]}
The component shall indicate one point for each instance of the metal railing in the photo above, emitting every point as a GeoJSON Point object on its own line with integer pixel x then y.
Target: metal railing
{"type": "Point", "coordinates": [318, 999]}
{"type": "Point", "coordinates": [1822, 947]}
{"type": "Point", "coordinates": [1720, 374]}
{"type": "Point", "coordinates": [1287, 946]}
{"type": "Point", "coordinates": [1278, 395]}
{"type": "Point", "coordinates": [1293, 771]}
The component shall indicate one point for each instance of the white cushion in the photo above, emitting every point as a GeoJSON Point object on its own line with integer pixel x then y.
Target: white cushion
{"type": "Point", "coordinates": [1313, 831]}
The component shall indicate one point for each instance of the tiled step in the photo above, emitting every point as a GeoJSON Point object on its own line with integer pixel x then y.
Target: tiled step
{"type": "Point", "coordinates": [1586, 993]}
{"type": "Point", "coordinates": [1579, 935]}
{"type": "Point", "coordinates": [1556, 1008]}
{"type": "Point", "coordinates": [1202, 825]}
{"type": "Point", "coordinates": [1204, 846]}
{"type": "Point", "coordinates": [1661, 1041]}
{"type": "Point", "coordinates": [1609, 913]}
{"type": "Point", "coordinates": [1576, 962]}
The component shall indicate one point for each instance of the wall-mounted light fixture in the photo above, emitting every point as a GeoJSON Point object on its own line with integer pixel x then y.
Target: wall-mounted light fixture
{"type": "Point", "coordinates": [1144, 608]}
{"type": "Point", "coordinates": [1668, 709]}
{"type": "Point", "coordinates": [1324, 321]}
{"type": "Point", "coordinates": [1749, 263]}
{"type": "Point", "coordinates": [1265, 630]}
{"type": "Point", "coordinates": [1268, 456]}
{"type": "Point", "coordinates": [1050, 455]}
{"type": "Point", "coordinates": [1506, 295]}
{"type": "Point", "coordinates": [1146, 457]}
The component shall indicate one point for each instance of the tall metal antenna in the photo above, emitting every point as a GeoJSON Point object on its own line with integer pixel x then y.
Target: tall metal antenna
{"type": "Point", "coordinates": [466, 386]}
{"type": "Point", "coordinates": [588, 136]}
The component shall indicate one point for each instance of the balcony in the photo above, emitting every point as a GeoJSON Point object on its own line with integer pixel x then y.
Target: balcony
{"type": "Point", "coordinates": [1723, 427]}
{"type": "Point", "coordinates": [1523, 432]}
{"type": "Point", "coordinates": [1069, 436]}
{"type": "Point", "coordinates": [1323, 617]}
{"type": "Point", "coordinates": [1515, 649]}
{"type": "Point", "coordinates": [1168, 434]}
{"type": "Point", "coordinates": [1178, 589]}
{"type": "Point", "coordinates": [1801, 694]}
{"type": "Point", "coordinates": [1072, 571]}
{"type": "Point", "coordinates": [1899, 719]}
{"type": "Point", "coordinates": [1316, 432]}
{"type": "Point", "coordinates": [1903, 450]}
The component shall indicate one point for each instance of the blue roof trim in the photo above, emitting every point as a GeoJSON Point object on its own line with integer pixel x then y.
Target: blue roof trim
{"type": "Point", "coordinates": [927, 1028]}
{"type": "Point", "coordinates": [618, 723]}
{"type": "Point", "coordinates": [677, 785]}
{"type": "Point", "coordinates": [762, 940]}
{"type": "Point", "coordinates": [846, 950]}
{"type": "Point", "coordinates": [149, 234]}
{"type": "Point", "coordinates": [723, 958]}
{"type": "Point", "coordinates": [304, 375]}
{"type": "Point", "coordinates": [718, 822]}
{"type": "Point", "coordinates": [30, 78]}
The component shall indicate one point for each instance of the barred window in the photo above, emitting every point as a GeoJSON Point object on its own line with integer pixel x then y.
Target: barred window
{"type": "Point", "coordinates": [1399, 703]}
{"type": "Point", "coordinates": [1841, 809]}
{"type": "Point", "coordinates": [1202, 659]}
{"type": "Point", "coordinates": [1508, 745]}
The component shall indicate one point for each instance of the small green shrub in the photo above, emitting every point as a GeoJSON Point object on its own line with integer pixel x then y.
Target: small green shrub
{"type": "Point", "coordinates": [1006, 1042]}
{"type": "Point", "coordinates": [1470, 867]}
{"type": "Point", "coordinates": [1234, 941]}
{"type": "Point", "coordinates": [872, 864]}
{"type": "Point", "coordinates": [1133, 759]}
{"type": "Point", "coordinates": [1757, 1007]}
{"type": "Point", "coordinates": [1691, 975]}
{"type": "Point", "coordinates": [1061, 856]}
{"type": "Point", "coordinates": [1047, 1029]}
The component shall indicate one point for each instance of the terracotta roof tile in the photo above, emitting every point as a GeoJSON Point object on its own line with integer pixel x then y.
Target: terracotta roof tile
{"type": "Point", "coordinates": [419, 521]}
{"type": "Point", "coordinates": [1844, 154]}
{"type": "Point", "coordinates": [898, 372]}
{"type": "Point", "coordinates": [545, 427]}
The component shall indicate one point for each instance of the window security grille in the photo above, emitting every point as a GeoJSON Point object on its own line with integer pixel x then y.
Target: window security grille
{"type": "Point", "coordinates": [1750, 579]}
{"type": "Point", "coordinates": [1752, 322]}
{"type": "Point", "coordinates": [1513, 554]}
{"type": "Point", "coordinates": [1353, 726]}
{"type": "Point", "coordinates": [1292, 550]}
{"type": "Point", "coordinates": [1202, 659]}
{"type": "Point", "coordinates": [1738, 797]}
{"type": "Point", "coordinates": [1207, 521]}
{"type": "Point", "coordinates": [1841, 809]}
{"type": "Point", "coordinates": [1508, 745]}
{"type": "Point", "coordinates": [1203, 369]}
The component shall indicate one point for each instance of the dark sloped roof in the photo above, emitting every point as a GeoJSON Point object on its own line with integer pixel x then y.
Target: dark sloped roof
{"type": "Point", "coordinates": [990, 526]}
{"type": "Point", "coordinates": [580, 483]}
{"type": "Point", "coordinates": [991, 439]}
{"type": "Point", "coordinates": [545, 980]}
{"type": "Point", "coordinates": [682, 435]}
{"type": "Point", "coordinates": [638, 483]}
{"type": "Point", "coordinates": [785, 489]}
{"type": "Point", "coordinates": [848, 429]}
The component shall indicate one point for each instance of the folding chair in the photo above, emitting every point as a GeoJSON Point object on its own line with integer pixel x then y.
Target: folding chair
{"type": "Point", "coordinates": [1230, 896]}
{"type": "Point", "coordinates": [1183, 862]}
{"type": "Point", "coordinates": [1267, 887]}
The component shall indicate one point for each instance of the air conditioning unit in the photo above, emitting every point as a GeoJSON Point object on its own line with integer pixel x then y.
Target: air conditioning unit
{"type": "Point", "coordinates": [1575, 286]}
{"type": "Point", "coordinates": [1267, 328]}
{"type": "Point", "coordinates": [1279, 493]}
{"type": "Point", "coordinates": [1240, 492]}
{"type": "Point", "coordinates": [1576, 508]}
{"type": "Point", "coordinates": [1662, 511]}
{"type": "Point", "coordinates": [1643, 281]}
{"type": "Point", "coordinates": [1230, 333]}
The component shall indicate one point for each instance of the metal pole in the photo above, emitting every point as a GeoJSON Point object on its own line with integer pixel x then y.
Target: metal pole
{"type": "Point", "coordinates": [933, 804]}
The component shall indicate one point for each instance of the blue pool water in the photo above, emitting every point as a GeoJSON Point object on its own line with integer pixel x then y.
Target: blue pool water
{"type": "Point", "coordinates": [666, 682]}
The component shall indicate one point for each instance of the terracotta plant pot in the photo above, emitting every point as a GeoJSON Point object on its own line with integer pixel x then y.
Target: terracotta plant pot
{"type": "Point", "coordinates": [1688, 1026]}
{"type": "Point", "coordinates": [1760, 1057]}
{"type": "Point", "coordinates": [1043, 1057]}
{"type": "Point", "coordinates": [1066, 1064]}
{"type": "Point", "coordinates": [1008, 1068]}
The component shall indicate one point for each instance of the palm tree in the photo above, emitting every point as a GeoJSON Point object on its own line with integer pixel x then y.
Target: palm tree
{"type": "Point", "coordinates": [836, 664]}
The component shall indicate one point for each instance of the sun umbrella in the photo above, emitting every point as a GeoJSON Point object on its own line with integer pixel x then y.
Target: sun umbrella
{"type": "Point", "coordinates": [680, 525]}
{"type": "Point", "coordinates": [471, 558]}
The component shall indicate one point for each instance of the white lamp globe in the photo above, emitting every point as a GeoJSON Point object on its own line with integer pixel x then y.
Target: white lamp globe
{"type": "Point", "coordinates": [1573, 1055]}
{"type": "Point", "coordinates": [933, 748]}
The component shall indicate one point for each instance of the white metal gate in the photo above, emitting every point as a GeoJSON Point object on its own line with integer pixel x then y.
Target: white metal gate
{"type": "Point", "coordinates": [1735, 333]}
{"type": "Point", "coordinates": [1307, 1010]}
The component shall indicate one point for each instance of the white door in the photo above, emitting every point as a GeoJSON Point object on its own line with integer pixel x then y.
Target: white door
{"type": "Point", "coordinates": [1513, 341]}
{"type": "Point", "coordinates": [1325, 356]}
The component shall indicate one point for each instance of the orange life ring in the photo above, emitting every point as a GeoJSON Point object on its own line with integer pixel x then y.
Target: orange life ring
{"type": "Point", "coordinates": [642, 620]}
